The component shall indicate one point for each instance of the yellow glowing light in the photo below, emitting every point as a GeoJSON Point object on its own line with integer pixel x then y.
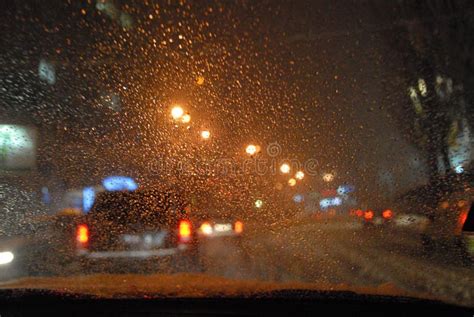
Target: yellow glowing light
{"type": "Point", "coordinates": [206, 228]}
{"type": "Point", "coordinates": [200, 80]}
{"type": "Point", "coordinates": [292, 182]}
{"type": "Point", "coordinates": [285, 168]}
{"type": "Point", "coordinates": [205, 134]}
{"type": "Point", "coordinates": [238, 227]}
{"type": "Point", "coordinates": [299, 175]}
{"type": "Point", "coordinates": [177, 112]}
{"type": "Point", "coordinates": [422, 87]}
{"type": "Point", "coordinates": [251, 149]}
{"type": "Point", "coordinates": [328, 177]}
{"type": "Point", "coordinates": [186, 118]}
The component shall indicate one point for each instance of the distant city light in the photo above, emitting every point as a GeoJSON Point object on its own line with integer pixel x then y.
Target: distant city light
{"type": "Point", "coordinates": [46, 197]}
{"type": "Point", "coordinates": [186, 118]}
{"type": "Point", "coordinates": [345, 189]}
{"type": "Point", "coordinates": [177, 112]}
{"type": "Point", "coordinates": [298, 198]}
{"type": "Point", "coordinates": [251, 149]}
{"type": "Point", "coordinates": [422, 87]}
{"type": "Point", "coordinates": [292, 182]}
{"type": "Point", "coordinates": [205, 134]}
{"type": "Point", "coordinates": [328, 177]}
{"type": "Point", "coordinates": [117, 183]}
{"type": "Point", "coordinates": [88, 197]}
{"type": "Point", "coordinates": [327, 202]}
{"type": "Point", "coordinates": [258, 203]}
{"type": "Point", "coordinates": [299, 175]}
{"type": "Point", "coordinates": [285, 168]}
{"type": "Point", "coordinates": [337, 201]}
{"type": "Point", "coordinates": [459, 169]}
{"type": "Point", "coordinates": [416, 101]}
{"type": "Point", "coordinates": [324, 203]}
{"type": "Point", "coordinates": [200, 80]}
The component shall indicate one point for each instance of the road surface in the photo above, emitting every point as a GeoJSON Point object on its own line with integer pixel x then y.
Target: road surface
{"type": "Point", "coordinates": [335, 252]}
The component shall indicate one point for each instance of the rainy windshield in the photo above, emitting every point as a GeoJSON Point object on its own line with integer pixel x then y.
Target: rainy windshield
{"type": "Point", "coordinates": [179, 146]}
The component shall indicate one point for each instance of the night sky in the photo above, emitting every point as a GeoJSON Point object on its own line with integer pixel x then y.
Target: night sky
{"type": "Point", "coordinates": [318, 77]}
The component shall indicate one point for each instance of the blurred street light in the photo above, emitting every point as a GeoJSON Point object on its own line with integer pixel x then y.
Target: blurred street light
{"type": "Point", "coordinates": [205, 134]}
{"type": "Point", "coordinates": [292, 182]}
{"type": "Point", "coordinates": [251, 149]}
{"type": "Point", "coordinates": [200, 80]}
{"type": "Point", "coordinates": [328, 177]}
{"type": "Point", "coordinates": [298, 198]}
{"type": "Point", "coordinates": [186, 118]}
{"type": "Point", "coordinates": [258, 203]}
{"type": "Point", "coordinates": [299, 175]}
{"type": "Point", "coordinates": [285, 168]}
{"type": "Point", "coordinates": [177, 112]}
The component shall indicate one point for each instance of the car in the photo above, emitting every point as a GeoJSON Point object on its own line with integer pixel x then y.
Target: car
{"type": "Point", "coordinates": [11, 262]}
{"type": "Point", "coordinates": [446, 228]}
{"type": "Point", "coordinates": [380, 217]}
{"type": "Point", "coordinates": [137, 228]}
{"type": "Point", "coordinates": [46, 247]}
{"type": "Point", "coordinates": [220, 227]}
{"type": "Point", "coordinates": [468, 234]}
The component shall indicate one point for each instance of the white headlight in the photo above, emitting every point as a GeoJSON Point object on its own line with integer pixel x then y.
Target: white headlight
{"type": "Point", "coordinates": [6, 257]}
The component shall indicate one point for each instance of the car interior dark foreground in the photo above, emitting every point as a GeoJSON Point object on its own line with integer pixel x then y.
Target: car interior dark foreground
{"type": "Point", "coordinates": [281, 303]}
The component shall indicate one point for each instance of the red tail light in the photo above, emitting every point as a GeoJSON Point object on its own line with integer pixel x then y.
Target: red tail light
{"type": "Point", "coordinates": [387, 214]}
{"type": "Point", "coordinates": [238, 227]}
{"type": "Point", "coordinates": [462, 218]}
{"type": "Point", "coordinates": [82, 234]}
{"type": "Point", "coordinates": [184, 231]}
{"type": "Point", "coordinates": [359, 213]}
{"type": "Point", "coordinates": [368, 215]}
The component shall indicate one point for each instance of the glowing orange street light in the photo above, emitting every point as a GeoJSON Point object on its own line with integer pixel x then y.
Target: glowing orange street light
{"type": "Point", "coordinates": [299, 175]}
{"type": "Point", "coordinates": [251, 149]}
{"type": "Point", "coordinates": [205, 134]}
{"type": "Point", "coordinates": [186, 118]}
{"type": "Point", "coordinates": [177, 112]}
{"type": "Point", "coordinates": [328, 177]}
{"type": "Point", "coordinates": [285, 168]}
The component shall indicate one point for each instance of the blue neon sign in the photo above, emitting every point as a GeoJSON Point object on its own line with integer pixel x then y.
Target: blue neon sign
{"type": "Point", "coordinates": [118, 183]}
